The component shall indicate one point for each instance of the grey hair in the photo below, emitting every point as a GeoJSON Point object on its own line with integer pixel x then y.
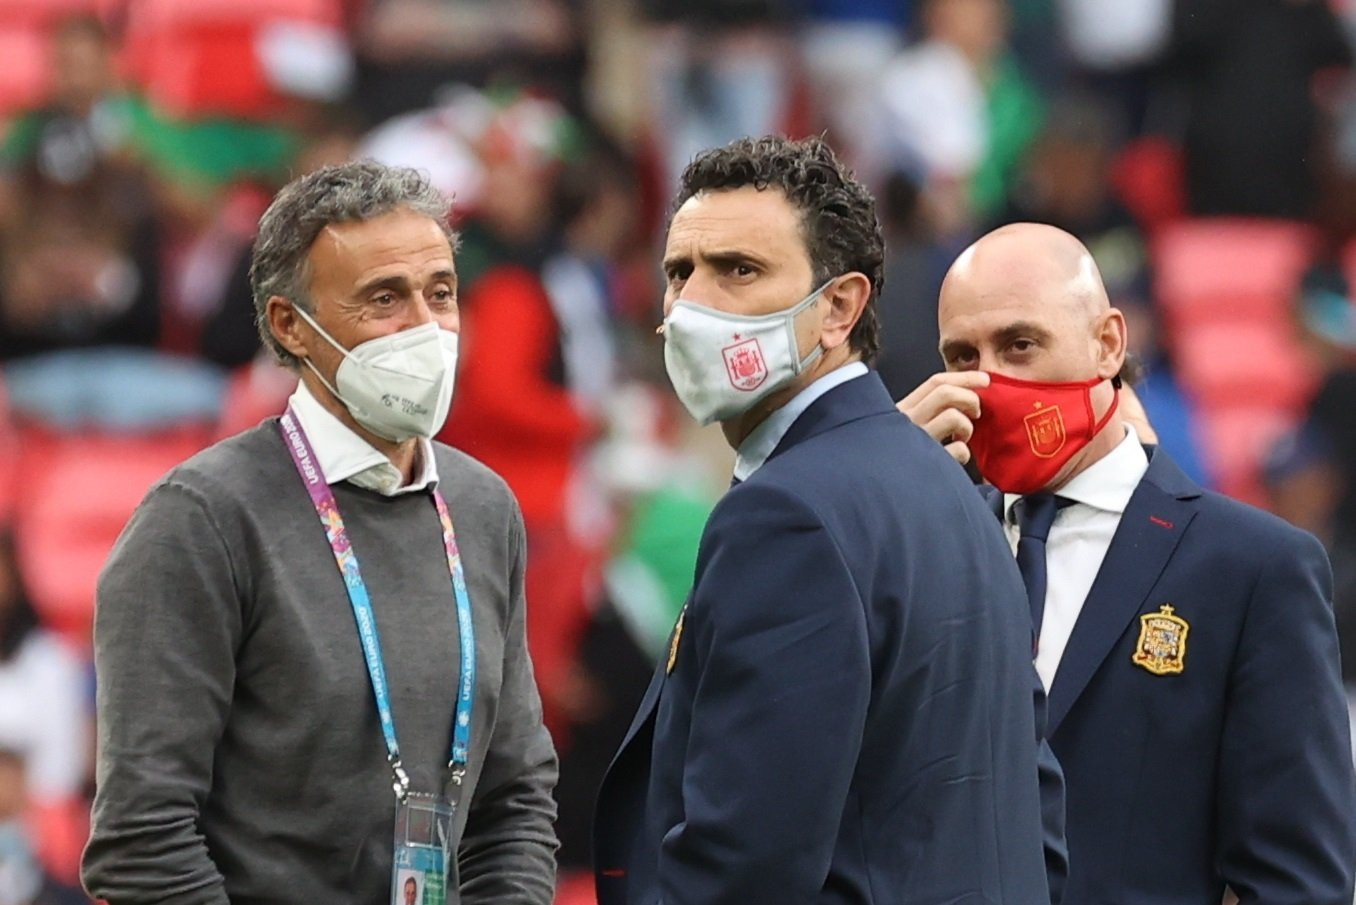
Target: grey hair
{"type": "Point", "coordinates": [348, 192]}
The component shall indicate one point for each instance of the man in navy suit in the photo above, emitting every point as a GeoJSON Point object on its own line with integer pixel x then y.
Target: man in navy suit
{"type": "Point", "coordinates": [844, 714]}
{"type": "Point", "coordinates": [1186, 640]}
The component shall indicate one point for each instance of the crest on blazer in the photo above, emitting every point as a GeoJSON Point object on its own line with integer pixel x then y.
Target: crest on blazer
{"type": "Point", "coordinates": [744, 363]}
{"type": "Point", "coordinates": [673, 641]}
{"type": "Point", "coordinates": [1045, 431]}
{"type": "Point", "coordinates": [1162, 642]}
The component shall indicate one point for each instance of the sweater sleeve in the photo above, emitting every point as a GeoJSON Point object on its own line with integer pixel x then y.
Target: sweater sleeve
{"type": "Point", "coordinates": [507, 851]}
{"type": "Point", "coordinates": [167, 623]}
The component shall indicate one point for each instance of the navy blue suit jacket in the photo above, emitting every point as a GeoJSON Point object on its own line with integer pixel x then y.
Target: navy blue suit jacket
{"type": "Point", "coordinates": [1237, 769]}
{"type": "Point", "coordinates": [848, 716]}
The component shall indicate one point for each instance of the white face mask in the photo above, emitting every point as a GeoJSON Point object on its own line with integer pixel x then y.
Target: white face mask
{"type": "Point", "coordinates": [721, 365]}
{"type": "Point", "coordinates": [397, 386]}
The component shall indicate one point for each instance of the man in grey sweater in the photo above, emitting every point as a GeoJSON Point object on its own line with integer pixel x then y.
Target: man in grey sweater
{"type": "Point", "coordinates": [279, 638]}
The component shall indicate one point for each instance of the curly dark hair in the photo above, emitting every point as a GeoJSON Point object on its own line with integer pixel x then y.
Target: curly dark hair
{"type": "Point", "coordinates": [838, 214]}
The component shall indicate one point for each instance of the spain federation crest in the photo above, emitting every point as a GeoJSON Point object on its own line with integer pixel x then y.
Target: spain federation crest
{"type": "Point", "coordinates": [744, 363]}
{"type": "Point", "coordinates": [1162, 642]}
{"type": "Point", "coordinates": [1045, 431]}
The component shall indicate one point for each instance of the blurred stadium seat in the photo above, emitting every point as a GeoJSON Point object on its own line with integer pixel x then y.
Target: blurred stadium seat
{"type": "Point", "coordinates": [1228, 289]}
{"type": "Point", "coordinates": [1244, 362]}
{"type": "Point", "coordinates": [211, 57]}
{"type": "Point", "coordinates": [75, 491]}
{"type": "Point", "coordinates": [24, 33]}
{"type": "Point", "coordinates": [253, 392]}
{"type": "Point", "coordinates": [1235, 440]}
{"type": "Point", "coordinates": [1225, 268]}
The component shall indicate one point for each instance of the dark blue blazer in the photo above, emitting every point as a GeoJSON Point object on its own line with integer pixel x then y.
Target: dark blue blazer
{"type": "Point", "coordinates": [848, 716]}
{"type": "Point", "coordinates": [1237, 769]}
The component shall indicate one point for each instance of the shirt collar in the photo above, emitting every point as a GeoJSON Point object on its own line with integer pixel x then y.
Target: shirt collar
{"type": "Point", "coordinates": [1106, 484]}
{"type": "Point", "coordinates": [344, 456]}
{"type": "Point", "coordinates": [763, 439]}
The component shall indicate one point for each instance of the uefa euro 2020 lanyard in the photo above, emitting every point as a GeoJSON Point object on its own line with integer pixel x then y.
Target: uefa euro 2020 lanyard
{"type": "Point", "coordinates": [328, 509]}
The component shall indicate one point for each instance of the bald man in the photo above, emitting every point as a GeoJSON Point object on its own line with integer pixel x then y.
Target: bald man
{"type": "Point", "coordinates": [1186, 640]}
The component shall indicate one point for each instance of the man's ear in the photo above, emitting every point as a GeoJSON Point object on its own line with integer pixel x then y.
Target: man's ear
{"type": "Point", "coordinates": [847, 298]}
{"type": "Point", "coordinates": [1112, 343]}
{"type": "Point", "coordinates": [285, 325]}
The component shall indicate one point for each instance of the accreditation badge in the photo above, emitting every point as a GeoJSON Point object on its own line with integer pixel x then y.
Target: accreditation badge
{"type": "Point", "coordinates": [423, 850]}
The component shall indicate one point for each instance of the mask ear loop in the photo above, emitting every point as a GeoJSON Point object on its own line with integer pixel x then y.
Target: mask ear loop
{"type": "Point", "coordinates": [316, 371]}
{"type": "Point", "coordinates": [1111, 410]}
{"type": "Point", "coordinates": [791, 315]}
{"type": "Point", "coordinates": [329, 386]}
{"type": "Point", "coordinates": [319, 329]}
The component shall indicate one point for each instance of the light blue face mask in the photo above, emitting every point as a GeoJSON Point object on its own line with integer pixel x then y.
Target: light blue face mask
{"type": "Point", "coordinates": [721, 365]}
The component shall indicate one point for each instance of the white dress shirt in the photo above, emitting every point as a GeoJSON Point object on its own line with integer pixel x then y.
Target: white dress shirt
{"type": "Point", "coordinates": [344, 456]}
{"type": "Point", "coordinates": [763, 439]}
{"type": "Point", "coordinates": [1079, 540]}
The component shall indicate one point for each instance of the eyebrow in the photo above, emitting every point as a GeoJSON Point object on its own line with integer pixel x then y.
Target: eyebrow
{"type": "Point", "coordinates": [1019, 329]}
{"type": "Point", "coordinates": [1001, 337]}
{"type": "Point", "coordinates": [400, 284]}
{"type": "Point", "coordinates": [951, 347]}
{"type": "Point", "coordinates": [718, 257]}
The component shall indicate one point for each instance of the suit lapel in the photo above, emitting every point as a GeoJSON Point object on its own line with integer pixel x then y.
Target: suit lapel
{"type": "Point", "coordinates": [994, 497]}
{"type": "Point", "coordinates": [1150, 528]}
{"type": "Point", "coordinates": [647, 706]}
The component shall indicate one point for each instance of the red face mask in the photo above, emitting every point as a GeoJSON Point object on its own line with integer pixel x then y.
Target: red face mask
{"type": "Point", "coordinates": [1028, 430]}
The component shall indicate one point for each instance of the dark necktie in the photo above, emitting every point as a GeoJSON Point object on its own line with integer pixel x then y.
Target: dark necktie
{"type": "Point", "coordinates": [1035, 515]}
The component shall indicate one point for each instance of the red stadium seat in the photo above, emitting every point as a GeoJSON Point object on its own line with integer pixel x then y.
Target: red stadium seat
{"type": "Point", "coordinates": [76, 493]}
{"type": "Point", "coordinates": [1248, 361]}
{"type": "Point", "coordinates": [1236, 440]}
{"type": "Point", "coordinates": [23, 78]}
{"type": "Point", "coordinates": [44, 13]}
{"type": "Point", "coordinates": [25, 30]}
{"type": "Point", "coordinates": [256, 391]}
{"type": "Point", "coordinates": [173, 13]}
{"type": "Point", "coordinates": [1230, 269]}
{"type": "Point", "coordinates": [201, 58]}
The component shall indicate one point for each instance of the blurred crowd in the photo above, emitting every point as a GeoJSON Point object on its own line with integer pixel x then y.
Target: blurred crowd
{"type": "Point", "coordinates": [1204, 150]}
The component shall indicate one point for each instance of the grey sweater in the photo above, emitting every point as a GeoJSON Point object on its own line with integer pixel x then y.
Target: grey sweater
{"type": "Point", "coordinates": [240, 755]}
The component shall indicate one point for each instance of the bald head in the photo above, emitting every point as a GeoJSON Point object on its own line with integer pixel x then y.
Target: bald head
{"type": "Point", "coordinates": [1027, 300]}
{"type": "Point", "coordinates": [1033, 261]}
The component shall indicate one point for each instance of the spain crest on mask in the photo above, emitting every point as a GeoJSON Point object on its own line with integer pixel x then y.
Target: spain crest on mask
{"type": "Point", "coordinates": [1045, 431]}
{"type": "Point", "coordinates": [744, 362]}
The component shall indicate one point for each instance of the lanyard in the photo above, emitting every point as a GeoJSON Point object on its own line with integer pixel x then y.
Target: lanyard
{"type": "Point", "coordinates": [328, 509]}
